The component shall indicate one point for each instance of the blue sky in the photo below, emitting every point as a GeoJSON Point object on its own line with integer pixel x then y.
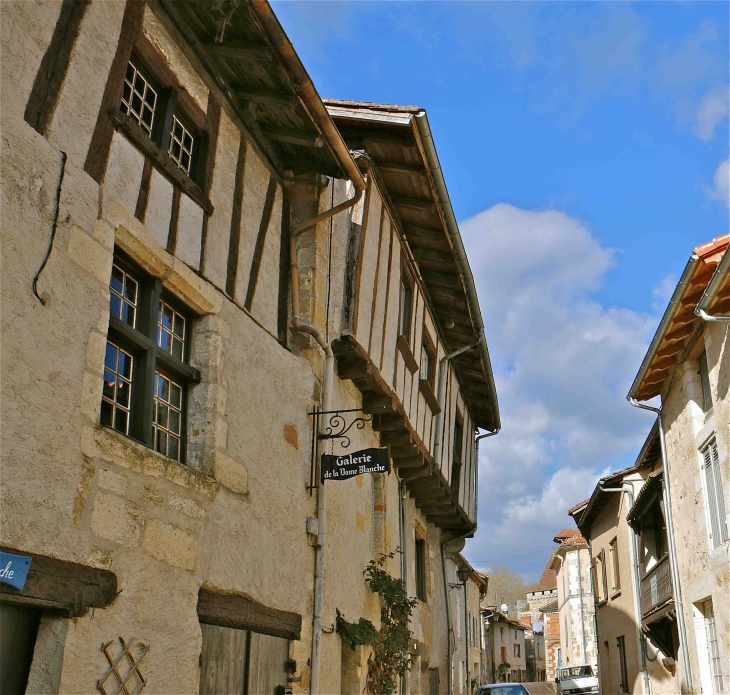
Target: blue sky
{"type": "Point", "coordinates": [585, 147]}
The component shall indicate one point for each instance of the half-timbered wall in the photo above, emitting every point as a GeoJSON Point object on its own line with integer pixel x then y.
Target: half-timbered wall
{"type": "Point", "coordinates": [382, 259]}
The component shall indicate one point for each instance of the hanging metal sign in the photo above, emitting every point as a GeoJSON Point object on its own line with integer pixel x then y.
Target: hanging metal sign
{"type": "Point", "coordinates": [356, 463]}
{"type": "Point", "coordinates": [14, 569]}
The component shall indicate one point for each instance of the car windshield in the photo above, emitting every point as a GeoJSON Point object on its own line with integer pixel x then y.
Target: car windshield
{"type": "Point", "coordinates": [504, 690]}
{"type": "Point", "coordinates": [576, 671]}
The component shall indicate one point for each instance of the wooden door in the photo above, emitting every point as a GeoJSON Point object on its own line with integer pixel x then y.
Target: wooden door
{"type": "Point", "coordinates": [18, 631]}
{"type": "Point", "coordinates": [267, 665]}
{"type": "Point", "coordinates": [223, 660]}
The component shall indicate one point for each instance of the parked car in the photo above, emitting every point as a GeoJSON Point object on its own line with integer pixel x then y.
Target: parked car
{"type": "Point", "coordinates": [576, 679]}
{"type": "Point", "coordinates": [502, 689]}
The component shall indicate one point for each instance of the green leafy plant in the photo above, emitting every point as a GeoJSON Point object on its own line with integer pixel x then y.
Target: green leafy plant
{"type": "Point", "coordinates": [389, 658]}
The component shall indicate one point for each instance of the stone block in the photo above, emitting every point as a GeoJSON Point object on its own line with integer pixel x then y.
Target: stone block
{"type": "Point", "coordinates": [230, 474]}
{"type": "Point", "coordinates": [114, 482]}
{"type": "Point", "coordinates": [152, 496]}
{"type": "Point", "coordinates": [91, 388]}
{"type": "Point", "coordinates": [185, 506]}
{"type": "Point", "coordinates": [90, 255]}
{"type": "Point", "coordinates": [95, 352]}
{"type": "Point", "coordinates": [169, 544]}
{"type": "Point", "coordinates": [117, 520]}
{"type": "Point", "coordinates": [103, 233]}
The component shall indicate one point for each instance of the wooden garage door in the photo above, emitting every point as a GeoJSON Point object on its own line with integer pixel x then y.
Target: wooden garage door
{"type": "Point", "coordinates": [241, 662]}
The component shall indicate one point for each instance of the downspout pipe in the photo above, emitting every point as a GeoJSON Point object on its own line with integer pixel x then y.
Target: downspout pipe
{"type": "Point", "coordinates": [319, 571]}
{"type": "Point", "coordinates": [713, 288]}
{"type": "Point", "coordinates": [628, 490]}
{"type": "Point", "coordinates": [673, 563]}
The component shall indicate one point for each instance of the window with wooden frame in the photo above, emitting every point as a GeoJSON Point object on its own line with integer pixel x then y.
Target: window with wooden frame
{"type": "Point", "coordinates": [420, 569]}
{"type": "Point", "coordinates": [621, 644]}
{"type": "Point", "coordinates": [163, 120]}
{"type": "Point", "coordinates": [705, 381]}
{"type": "Point", "coordinates": [604, 575]}
{"type": "Point", "coordinates": [714, 494]}
{"type": "Point", "coordinates": [146, 370]}
{"type": "Point", "coordinates": [456, 462]}
{"type": "Point", "coordinates": [406, 302]}
{"type": "Point", "coordinates": [427, 369]}
{"type": "Point", "coordinates": [613, 554]}
{"type": "Point", "coordinates": [517, 650]}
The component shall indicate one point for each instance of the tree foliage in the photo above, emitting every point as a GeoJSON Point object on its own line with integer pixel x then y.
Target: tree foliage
{"type": "Point", "coordinates": [389, 658]}
{"type": "Point", "coordinates": [505, 586]}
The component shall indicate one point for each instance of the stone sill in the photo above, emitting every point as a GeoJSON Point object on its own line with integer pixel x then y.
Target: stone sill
{"type": "Point", "coordinates": [123, 451]}
{"type": "Point", "coordinates": [616, 594]}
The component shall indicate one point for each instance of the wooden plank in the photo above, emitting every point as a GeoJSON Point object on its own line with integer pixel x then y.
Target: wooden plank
{"type": "Point", "coordinates": [260, 241]}
{"type": "Point", "coordinates": [413, 203]}
{"type": "Point", "coordinates": [375, 282]}
{"type": "Point", "coordinates": [144, 190]}
{"type": "Point", "coordinates": [294, 137]}
{"type": "Point", "coordinates": [401, 168]}
{"type": "Point", "coordinates": [53, 68]}
{"type": "Point", "coordinates": [67, 585]}
{"type": "Point", "coordinates": [243, 613]}
{"type": "Point", "coordinates": [233, 48]}
{"type": "Point", "coordinates": [101, 140]}
{"type": "Point", "coordinates": [267, 97]}
{"type": "Point", "coordinates": [235, 238]}
{"type": "Point", "coordinates": [282, 322]}
{"type": "Point", "coordinates": [212, 128]}
{"type": "Point", "coordinates": [174, 217]}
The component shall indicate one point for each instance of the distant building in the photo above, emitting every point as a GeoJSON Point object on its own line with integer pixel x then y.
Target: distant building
{"type": "Point", "coordinates": [546, 591]}
{"type": "Point", "coordinates": [534, 649]}
{"type": "Point", "coordinates": [551, 632]}
{"type": "Point", "coordinates": [572, 564]}
{"type": "Point", "coordinates": [505, 644]}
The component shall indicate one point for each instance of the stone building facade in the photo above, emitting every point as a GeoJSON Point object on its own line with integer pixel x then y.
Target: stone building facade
{"type": "Point", "coordinates": [505, 643]}
{"type": "Point", "coordinates": [551, 631]}
{"type": "Point", "coordinates": [193, 263]}
{"type": "Point", "coordinates": [572, 565]}
{"type": "Point", "coordinates": [687, 367]}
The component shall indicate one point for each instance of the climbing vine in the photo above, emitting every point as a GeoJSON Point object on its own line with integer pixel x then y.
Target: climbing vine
{"type": "Point", "coordinates": [389, 658]}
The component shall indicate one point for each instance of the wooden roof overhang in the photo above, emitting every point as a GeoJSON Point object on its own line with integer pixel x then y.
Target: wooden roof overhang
{"type": "Point", "coordinates": [390, 137]}
{"type": "Point", "coordinates": [680, 325]}
{"type": "Point", "coordinates": [648, 457]}
{"type": "Point", "coordinates": [242, 46]}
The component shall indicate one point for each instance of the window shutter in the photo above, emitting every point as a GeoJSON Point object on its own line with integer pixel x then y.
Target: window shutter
{"type": "Point", "coordinates": [604, 574]}
{"type": "Point", "coordinates": [715, 498]}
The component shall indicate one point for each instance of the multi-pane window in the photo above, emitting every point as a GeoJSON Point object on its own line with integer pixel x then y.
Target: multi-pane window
{"type": "Point", "coordinates": [705, 381]}
{"type": "Point", "coordinates": [181, 145]}
{"type": "Point", "coordinates": [139, 99]}
{"type": "Point", "coordinates": [714, 645]}
{"type": "Point", "coordinates": [123, 296]}
{"type": "Point", "coordinates": [420, 569]}
{"type": "Point", "coordinates": [156, 111]}
{"type": "Point", "coordinates": [115, 399]}
{"type": "Point", "coordinates": [145, 373]}
{"type": "Point", "coordinates": [715, 497]}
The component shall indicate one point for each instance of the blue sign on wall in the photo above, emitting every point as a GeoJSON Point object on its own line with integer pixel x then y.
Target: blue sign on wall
{"type": "Point", "coordinates": [14, 569]}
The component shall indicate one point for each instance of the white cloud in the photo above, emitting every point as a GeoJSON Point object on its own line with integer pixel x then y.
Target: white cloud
{"type": "Point", "coordinates": [563, 364]}
{"type": "Point", "coordinates": [662, 292]}
{"type": "Point", "coordinates": [721, 189]}
{"type": "Point", "coordinates": [712, 111]}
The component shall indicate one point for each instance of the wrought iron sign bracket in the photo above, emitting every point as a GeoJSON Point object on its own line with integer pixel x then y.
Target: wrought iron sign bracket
{"type": "Point", "coordinates": [336, 428]}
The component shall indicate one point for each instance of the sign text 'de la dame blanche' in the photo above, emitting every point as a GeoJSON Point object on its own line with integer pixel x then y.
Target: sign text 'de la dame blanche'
{"type": "Point", "coordinates": [356, 463]}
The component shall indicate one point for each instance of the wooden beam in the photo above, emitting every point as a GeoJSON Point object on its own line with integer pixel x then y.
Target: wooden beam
{"type": "Point", "coordinates": [678, 333]}
{"type": "Point", "coordinates": [376, 136]}
{"type": "Point", "coordinates": [65, 585]}
{"type": "Point", "coordinates": [401, 168]}
{"type": "Point", "coordinates": [243, 613]}
{"type": "Point", "coordinates": [293, 137]}
{"type": "Point", "coordinates": [239, 49]}
{"type": "Point", "coordinates": [373, 403]}
{"type": "Point", "coordinates": [413, 203]}
{"type": "Point", "coordinates": [409, 462]}
{"type": "Point", "coordinates": [266, 97]}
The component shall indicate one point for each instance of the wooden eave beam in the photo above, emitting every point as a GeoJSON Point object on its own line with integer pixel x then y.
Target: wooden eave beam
{"type": "Point", "coordinates": [235, 48]}
{"type": "Point", "coordinates": [401, 168]}
{"type": "Point", "coordinates": [266, 97]}
{"type": "Point", "coordinates": [413, 203]}
{"type": "Point", "coordinates": [293, 137]}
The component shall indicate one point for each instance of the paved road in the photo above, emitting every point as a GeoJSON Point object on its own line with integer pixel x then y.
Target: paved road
{"type": "Point", "coordinates": [540, 688]}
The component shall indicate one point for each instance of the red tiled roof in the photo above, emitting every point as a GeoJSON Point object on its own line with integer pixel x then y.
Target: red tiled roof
{"type": "Point", "coordinates": [565, 533]}
{"type": "Point", "coordinates": [548, 580]}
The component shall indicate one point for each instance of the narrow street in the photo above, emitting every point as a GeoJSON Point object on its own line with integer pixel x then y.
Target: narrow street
{"type": "Point", "coordinates": [540, 688]}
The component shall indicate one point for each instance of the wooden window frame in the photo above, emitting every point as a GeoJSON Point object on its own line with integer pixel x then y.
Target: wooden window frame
{"type": "Point", "coordinates": [706, 387]}
{"type": "Point", "coordinates": [148, 358]}
{"type": "Point", "coordinates": [457, 464]}
{"type": "Point", "coordinates": [420, 560]}
{"type": "Point", "coordinates": [427, 382]}
{"type": "Point", "coordinates": [615, 565]}
{"type": "Point", "coordinates": [604, 575]}
{"type": "Point", "coordinates": [621, 645]}
{"type": "Point", "coordinates": [406, 288]}
{"type": "Point", "coordinates": [172, 101]}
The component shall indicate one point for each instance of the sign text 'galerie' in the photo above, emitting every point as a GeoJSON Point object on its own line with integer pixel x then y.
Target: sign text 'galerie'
{"type": "Point", "coordinates": [356, 463]}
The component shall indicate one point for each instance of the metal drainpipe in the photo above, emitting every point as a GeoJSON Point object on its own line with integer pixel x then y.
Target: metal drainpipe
{"type": "Point", "coordinates": [329, 370]}
{"type": "Point", "coordinates": [628, 490]}
{"type": "Point", "coordinates": [712, 289]}
{"type": "Point", "coordinates": [582, 612]}
{"type": "Point", "coordinates": [466, 636]}
{"type": "Point", "coordinates": [403, 557]}
{"type": "Point", "coordinates": [672, 547]}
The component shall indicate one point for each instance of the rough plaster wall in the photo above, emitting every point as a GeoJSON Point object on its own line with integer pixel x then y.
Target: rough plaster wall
{"type": "Point", "coordinates": [221, 196]}
{"type": "Point", "coordinates": [265, 305]}
{"type": "Point", "coordinates": [189, 231]}
{"type": "Point", "coordinates": [78, 105]}
{"type": "Point", "coordinates": [704, 571]}
{"type": "Point", "coordinates": [124, 174]}
{"type": "Point", "coordinates": [175, 58]}
{"type": "Point", "coordinates": [255, 183]}
{"type": "Point", "coordinates": [159, 208]}
{"type": "Point", "coordinates": [369, 258]}
{"type": "Point", "coordinates": [22, 51]}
